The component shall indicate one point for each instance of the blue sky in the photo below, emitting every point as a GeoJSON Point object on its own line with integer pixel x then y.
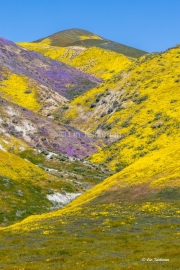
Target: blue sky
{"type": "Point", "coordinates": [151, 25]}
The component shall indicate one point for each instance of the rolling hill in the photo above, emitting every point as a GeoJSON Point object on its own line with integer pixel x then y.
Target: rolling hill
{"type": "Point", "coordinates": [98, 62]}
{"type": "Point", "coordinates": [139, 204]}
{"type": "Point", "coordinates": [40, 158]}
{"type": "Point", "coordinates": [136, 112]}
{"type": "Point", "coordinates": [43, 75]}
{"type": "Point", "coordinates": [83, 38]}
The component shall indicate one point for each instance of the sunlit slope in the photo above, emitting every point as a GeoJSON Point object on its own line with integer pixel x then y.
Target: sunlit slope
{"type": "Point", "coordinates": [98, 62]}
{"type": "Point", "coordinates": [33, 70]}
{"type": "Point", "coordinates": [138, 109]}
{"type": "Point", "coordinates": [139, 204]}
{"type": "Point", "coordinates": [101, 63]}
{"type": "Point", "coordinates": [155, 176]}
{"type": "Point", "coordinates": [17, 89]}
{"type": "Point", "coordinates": [83, 38]}
{"type": "Point", "coordinates": [151, 178]}
{"type": "Point", "coordinates": [29, 93]}
{"type": "Point", "coordinates": [28, 175]}
{"type": "Point", "coordinates": [24, 186]}
{"type": "Point", "coordinates": [62, 54]}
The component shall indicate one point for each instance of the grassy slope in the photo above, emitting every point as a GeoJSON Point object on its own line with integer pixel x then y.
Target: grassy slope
{"type": "Point", "coordinates": [96, 61]}
{"type": "Point", "coordinates": [83, 38]}
{"type": "Point", "coordinates": [36, 172]}
{"type": "Point", "coordinates": [139, 107]}
{"type": "Point", "coordinates": [67, 37]}
{"type": "Point", "coordinates": [24, 187]}
{"type": "Point", "coordinates": [115, 213]}
{"type": "Point", "coordinates": [27, 176]}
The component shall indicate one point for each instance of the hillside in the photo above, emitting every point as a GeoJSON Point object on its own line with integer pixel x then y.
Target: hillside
{"type": "Point", "coordinates": [136, 112]}
{"type": "Point", "coordinates": [101, 142]}
{"type": "Point", "coordinates": [136, 205]}
{"type": "Point", "coordinates": [43, 75]}
{"type": "Point", "coordinates": [24, 188]}
{"type": "Point", "coordinates": [83, 38]}
{"type": "Point", "coordinates": [98, 62]}
{"type": "Point", "coordinates": [43, 133]}
{"type": "Point", "coordinates": [40, 158]}
{"type": "Point", "coordinates": [28, 177]}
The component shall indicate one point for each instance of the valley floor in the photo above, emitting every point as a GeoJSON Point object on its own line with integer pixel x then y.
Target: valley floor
{"type": "Point", "coordinates": [114, 236]}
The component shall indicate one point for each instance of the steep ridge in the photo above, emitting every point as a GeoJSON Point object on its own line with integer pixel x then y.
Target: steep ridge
{"type": "Point", "coordinates": [98, 62]}
{"type": "Point", "coordinates": [83, 38]}
{"type": "Point", "coordinates": [21, 65]}
{"type": "Point", "coordinates": [136, 112]}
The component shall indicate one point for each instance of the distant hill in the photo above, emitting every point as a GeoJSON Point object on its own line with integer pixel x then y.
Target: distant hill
{"type": "Point", "coordinates": [98, 62]}
{"type": "Point", "coordinates": [83, 38]}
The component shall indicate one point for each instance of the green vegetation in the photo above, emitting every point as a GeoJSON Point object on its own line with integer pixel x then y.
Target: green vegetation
{"type": "Point", "coordinates": [83, 38]}
{"type": "Point", "coordinates": [27, 176]}
{"type": "Point", "coordinates": [105, 236]}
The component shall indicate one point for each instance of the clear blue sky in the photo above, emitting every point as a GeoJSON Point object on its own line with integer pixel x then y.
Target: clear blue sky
{"type": "Point", "coordinates": [151, 25]}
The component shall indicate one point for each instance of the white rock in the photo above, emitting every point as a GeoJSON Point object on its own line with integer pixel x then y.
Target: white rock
{"type": "Point", "coordinates": [63, 199]}
{"type": "Point", "coordinates": [2, 148]}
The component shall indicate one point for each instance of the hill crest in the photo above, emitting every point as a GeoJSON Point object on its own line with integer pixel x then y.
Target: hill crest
{"type": "Point", "coordinates": [83, 38]}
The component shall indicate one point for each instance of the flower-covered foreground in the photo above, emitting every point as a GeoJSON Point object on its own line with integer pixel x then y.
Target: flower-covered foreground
{"type": "Point", "coordinates": [102, 236]}
{"type": "Point", "coordinates": [114, 225]}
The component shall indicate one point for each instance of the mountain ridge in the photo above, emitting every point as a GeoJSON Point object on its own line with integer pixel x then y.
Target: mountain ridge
{"type": "Point", "coordinates": [79, 37]}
